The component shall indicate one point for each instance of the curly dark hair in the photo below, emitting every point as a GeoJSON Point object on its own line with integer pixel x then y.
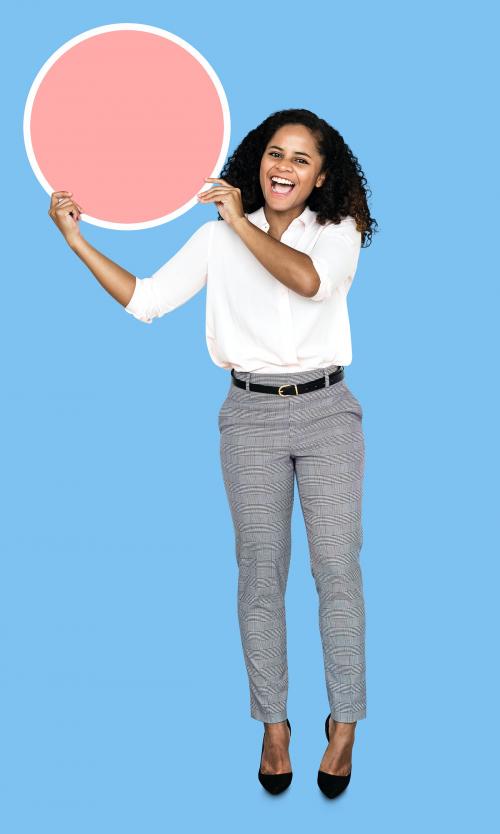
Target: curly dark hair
{"type": "Point", "coordinates": [344, 190]}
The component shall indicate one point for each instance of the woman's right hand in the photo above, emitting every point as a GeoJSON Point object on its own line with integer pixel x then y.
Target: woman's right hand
{"type": "Point", "coordinates": [65, 212]}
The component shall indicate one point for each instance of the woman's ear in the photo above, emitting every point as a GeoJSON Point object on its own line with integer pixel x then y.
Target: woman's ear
{"type": "Point", "coordinates": [320, 180]}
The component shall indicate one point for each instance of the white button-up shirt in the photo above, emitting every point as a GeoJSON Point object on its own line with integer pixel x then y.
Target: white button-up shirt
{"type": "Point", "coordinates": [253, 321]}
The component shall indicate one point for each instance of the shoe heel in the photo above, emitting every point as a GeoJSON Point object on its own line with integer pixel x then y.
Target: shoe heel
{"type": "Point", "coordinates": [329, 783]}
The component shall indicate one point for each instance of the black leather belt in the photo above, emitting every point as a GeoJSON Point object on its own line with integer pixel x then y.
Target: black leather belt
{"type": "Point", "coordinates": [302, 388]}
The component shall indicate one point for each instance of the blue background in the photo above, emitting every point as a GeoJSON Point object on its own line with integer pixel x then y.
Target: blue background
{"type": "Point", "coordinates": [124, 697]}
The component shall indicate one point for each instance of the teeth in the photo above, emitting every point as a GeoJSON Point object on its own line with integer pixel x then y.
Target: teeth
{"type": "Point", "coordinates": [282, 180]}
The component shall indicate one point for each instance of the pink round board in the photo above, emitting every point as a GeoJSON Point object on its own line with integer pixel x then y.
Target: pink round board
{"type": "Point", "coordinates": [131, 119]}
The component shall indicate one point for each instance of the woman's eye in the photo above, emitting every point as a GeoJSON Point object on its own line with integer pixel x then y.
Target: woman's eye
{"type": "Point", "coordinates": [272, 153]}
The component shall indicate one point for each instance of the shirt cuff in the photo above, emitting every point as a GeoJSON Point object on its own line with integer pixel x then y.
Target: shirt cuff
{"type": "Point", "coordinates": [134, 307]}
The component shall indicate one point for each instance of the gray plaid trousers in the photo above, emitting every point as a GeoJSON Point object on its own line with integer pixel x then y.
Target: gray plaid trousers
{"type": "Point", "coordinates": [265, 441]}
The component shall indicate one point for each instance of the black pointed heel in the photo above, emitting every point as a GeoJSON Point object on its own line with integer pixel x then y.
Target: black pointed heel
{"type": "Point", "coordinates": [275, 782]}
{"type": "Point", "coordinates": [330, 783]}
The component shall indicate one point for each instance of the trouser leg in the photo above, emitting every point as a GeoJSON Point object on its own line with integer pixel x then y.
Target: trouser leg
{"type": "Point", "coordinates": [330, 480]}
{"type": "Point", "coordinates": [259, 484]}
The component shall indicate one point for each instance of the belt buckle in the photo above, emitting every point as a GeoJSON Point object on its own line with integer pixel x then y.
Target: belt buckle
{"type": "Point", "coordinates": [287, 385]}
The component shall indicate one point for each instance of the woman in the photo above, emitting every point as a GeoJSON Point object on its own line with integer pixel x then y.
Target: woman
{"type": "Point", "coordinates": [278, 271]}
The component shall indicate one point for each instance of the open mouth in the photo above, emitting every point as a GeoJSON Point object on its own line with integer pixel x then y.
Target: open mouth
{"type": "Point", "coordinates": [281, 185]}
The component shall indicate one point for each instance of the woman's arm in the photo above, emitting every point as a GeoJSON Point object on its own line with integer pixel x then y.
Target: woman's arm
{"type": "Point", "coordinates": [293, 268]}
{"type": "Point", "coordinates": [331, 262]}
{"type": "Point", "coordinates": [176, 281]}
{"type": "Point", "coordinates": [117, 281]}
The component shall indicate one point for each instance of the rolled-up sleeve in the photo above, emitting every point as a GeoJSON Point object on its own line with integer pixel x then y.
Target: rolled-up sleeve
{"type": "Point", "coordinates": [335, 257]}
{"type": "Point", "coordinates": [176, 281]}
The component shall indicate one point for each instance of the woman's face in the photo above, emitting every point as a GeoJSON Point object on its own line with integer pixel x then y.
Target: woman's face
{"type": "Point", "coordinates": [291, 154]}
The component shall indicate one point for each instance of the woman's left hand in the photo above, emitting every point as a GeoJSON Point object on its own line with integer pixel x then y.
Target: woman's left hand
{"type": "Point", "coordinates": [226, 197]}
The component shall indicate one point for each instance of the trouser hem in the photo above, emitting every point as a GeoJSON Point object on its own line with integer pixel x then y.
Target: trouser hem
{"type": "Point", "coordinates": [269, 717]}
{"type": "Point", "coordinates": [348, 717]}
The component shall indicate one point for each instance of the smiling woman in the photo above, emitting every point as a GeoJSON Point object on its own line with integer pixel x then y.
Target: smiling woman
{"type": "Point", "coordinates": [278, 272]}
{"type": "Point", "coordinates": [293, 170]}
{"type": "Point", "coordinates": [295, 178]}
{"type": "Point", "coordinates": [297, 146]}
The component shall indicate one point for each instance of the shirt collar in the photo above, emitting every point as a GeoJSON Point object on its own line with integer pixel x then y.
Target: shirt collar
{"type": "Point", "coordinates": [258, 218]}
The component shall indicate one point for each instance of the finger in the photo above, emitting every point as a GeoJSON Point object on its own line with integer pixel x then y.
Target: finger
{"type": "Point", "coordinates": [67, 201]}
{"type": "Point", "coordinates": [69, 207]}
{"type": "Point", "coordinates": [66, 205]}
{"type": "Point", "coordinates": [215, 190]}
{"type": "Point", "coordinates": [56, 195]}
{"type": "Point", "coordinates": [210, 198]}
